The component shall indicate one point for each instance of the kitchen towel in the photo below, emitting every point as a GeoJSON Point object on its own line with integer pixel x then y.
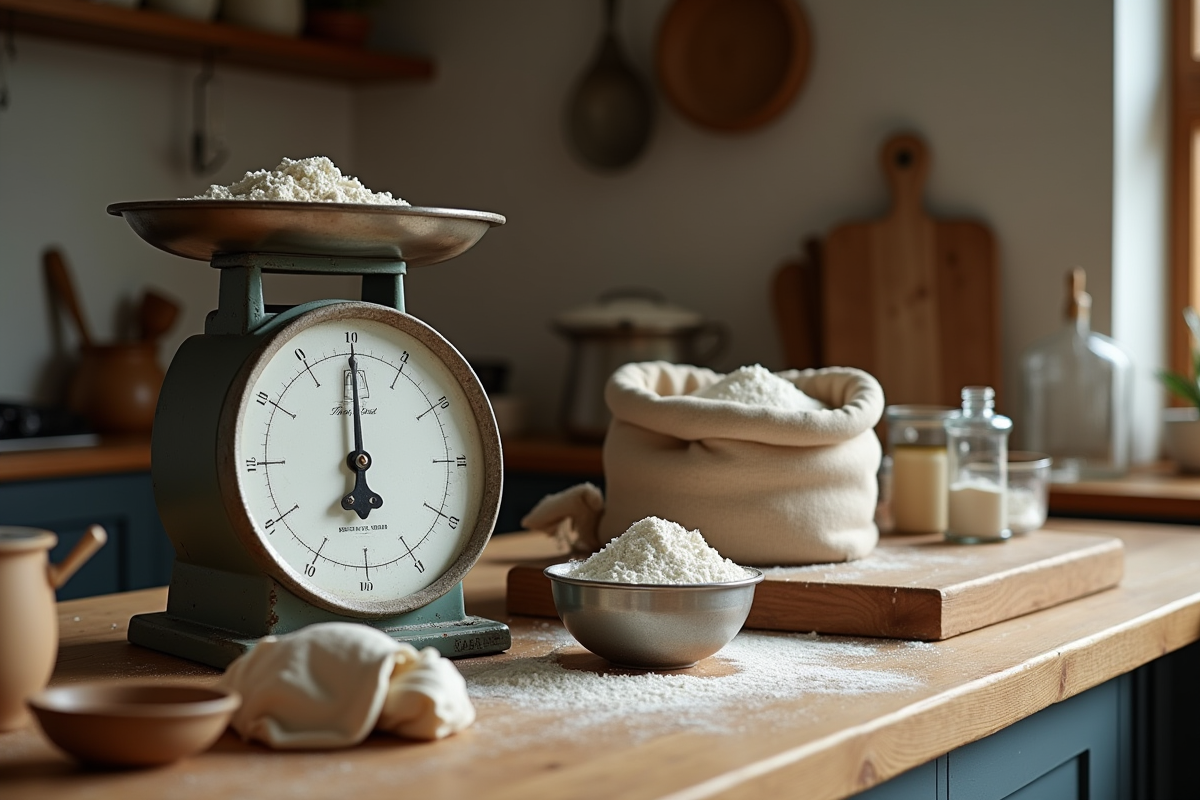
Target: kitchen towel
{"type": "Point", "coordinates": [765, 486]}
{"type": "Point", "coordinates": [330, 684]}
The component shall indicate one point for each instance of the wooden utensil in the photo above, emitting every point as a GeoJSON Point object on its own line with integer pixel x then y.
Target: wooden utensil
{"type": "Point", "coordinates": [796, 302]}
{"type": "Point", "coordinates": [156, 315]}
{"type": "Point", "coordinates": [64, 288]}
{"type": "Point", "coordinates": [611, 112]}
{"type": "Point", "coordinates": [911, 299]}
{"type": "Point", "coordinates": [733, 65]}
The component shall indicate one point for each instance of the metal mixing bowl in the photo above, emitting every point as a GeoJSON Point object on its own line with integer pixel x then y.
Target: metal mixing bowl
{"type": "Point", "coordinates": [652, 626]}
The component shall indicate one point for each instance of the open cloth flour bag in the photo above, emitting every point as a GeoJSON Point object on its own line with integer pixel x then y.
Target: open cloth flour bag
{"type": "Point", "coordinates": [329, 685]}
{"type": "Point", "coordinates": [767, 480]}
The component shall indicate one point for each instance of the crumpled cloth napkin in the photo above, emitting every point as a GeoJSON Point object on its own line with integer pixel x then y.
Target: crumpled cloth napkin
{"type": "Point", "coordinates": [329, 685]}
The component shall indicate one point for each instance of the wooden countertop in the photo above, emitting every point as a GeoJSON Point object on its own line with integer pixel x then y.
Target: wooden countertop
{"type": "Point", "coordinates": [1155, 492]}
{"type": "Point", "coordinates": [113, 454]}
{"type": "Point", "coordinates": [832, 743]}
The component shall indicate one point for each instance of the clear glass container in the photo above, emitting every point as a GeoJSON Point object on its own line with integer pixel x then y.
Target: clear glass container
{"type": "Point", "coordinates": [977, 469]}
{"type": "Point", "coordinates": [916, 445]}
{"type": "Point", "coordinates": [1077, 390]}
{"type": "Point", "coordinates": [1028, 490]}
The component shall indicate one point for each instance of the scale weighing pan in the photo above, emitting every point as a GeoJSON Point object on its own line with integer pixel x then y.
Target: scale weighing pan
{"type": "Point", "coordinates": [200, 229]}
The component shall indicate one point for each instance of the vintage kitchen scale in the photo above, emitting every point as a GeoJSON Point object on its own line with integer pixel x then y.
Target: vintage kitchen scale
{"type": "Point", "coordinates": [336, 460]}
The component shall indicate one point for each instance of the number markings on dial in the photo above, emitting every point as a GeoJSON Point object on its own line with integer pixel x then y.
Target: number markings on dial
{"type": "Point", "coordinates": [278, 484]}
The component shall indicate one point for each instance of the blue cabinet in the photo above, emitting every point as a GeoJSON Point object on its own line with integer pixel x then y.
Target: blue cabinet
{"type": "Point", "coordinates": [138, 553]}
{"type": "Point", "coordinates": [1128, 739]}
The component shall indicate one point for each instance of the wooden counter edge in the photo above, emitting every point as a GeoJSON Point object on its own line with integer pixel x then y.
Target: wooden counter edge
{"type": "Point", "coordinates": [112, 455]}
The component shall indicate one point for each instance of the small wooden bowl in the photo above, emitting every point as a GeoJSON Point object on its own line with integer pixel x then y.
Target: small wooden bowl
{"type": "Point", "coordinates": [122, 725]}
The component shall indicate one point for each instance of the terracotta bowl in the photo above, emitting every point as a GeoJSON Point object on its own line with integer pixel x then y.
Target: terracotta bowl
{"type": "Point", "coordinates": [133, 725]}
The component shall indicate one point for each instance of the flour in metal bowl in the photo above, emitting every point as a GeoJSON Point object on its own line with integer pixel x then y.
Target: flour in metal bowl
{"type": "Point", "coordinates": [659, 551]}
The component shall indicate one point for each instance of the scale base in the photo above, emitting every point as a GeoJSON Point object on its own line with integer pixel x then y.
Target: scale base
{"type": "Point", "coordinates": [214, 616]}
{"type": "Point", "coordinates": [216, 647]}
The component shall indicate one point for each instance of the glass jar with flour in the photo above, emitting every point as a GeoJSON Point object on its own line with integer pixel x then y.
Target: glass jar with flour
{"type": "Point", "coordinates": [917, 445]}
{"type": "Point", "coordinates": [977, 467]}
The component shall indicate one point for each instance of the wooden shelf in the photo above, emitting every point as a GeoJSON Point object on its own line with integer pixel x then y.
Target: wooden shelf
{"type": "Point", "coordinates": [155, 32]}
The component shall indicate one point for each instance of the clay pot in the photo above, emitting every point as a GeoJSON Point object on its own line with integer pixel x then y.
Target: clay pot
{"type": "Point", "coordinates": [28, 616]}
{"type": "Point", "coordinates": [115, 386]}
{"type": "Point", "coordinates": [341, 26]}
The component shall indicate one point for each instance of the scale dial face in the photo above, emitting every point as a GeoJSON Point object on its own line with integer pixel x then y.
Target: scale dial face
{"type": "Point", "coordinates": [371, 509]}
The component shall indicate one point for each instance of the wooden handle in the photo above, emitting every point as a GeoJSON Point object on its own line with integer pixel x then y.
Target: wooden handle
{"type": "Point", "coordinates": [60, 283]}
{"type": "Point", "coordinates": [905, 161]}
{"type": "Point", "coordinates": [156, 315]}
{"type": "Point", "coordinates": [1078, 300]}
{"type": "Point", "coordinates": [93, 539]}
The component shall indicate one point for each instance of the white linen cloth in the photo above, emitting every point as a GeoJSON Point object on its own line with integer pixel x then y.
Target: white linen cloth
{"type": "Point", "coordinates": [330, 684]}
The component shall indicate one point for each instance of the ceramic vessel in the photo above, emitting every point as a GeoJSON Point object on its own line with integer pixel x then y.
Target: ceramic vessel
{"type": "Point", "coordinates": [28, 617]}
{"type": "Point", "coordinates": [340, 26]}
{"type": "Point", "coordinates": [202, 10]}
{"type": "Point", "coordinates": [118, 725]}
{"type": "Point", "coordinates": [115, 387]}
{"type": "Point", "coordinates": [1181, 437]}
{"type": "Point", "coordinates": [282, 17]}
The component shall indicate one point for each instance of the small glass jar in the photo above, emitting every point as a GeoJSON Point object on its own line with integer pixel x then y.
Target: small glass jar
{"type": "Point", "coordinates": [977, 467]}
{"type": "Point", "coordinates": [1028, 490]}
{"type": "Point", "coordinates": [917, 450]}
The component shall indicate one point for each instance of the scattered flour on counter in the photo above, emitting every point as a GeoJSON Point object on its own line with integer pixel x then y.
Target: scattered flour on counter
{"type": "Point", "coordinates": [766, 669]}
{"type": "Point", "coordinates": [308, 180]}
{"type": "Point", "coordinates": [758, 386]}
{"type": "Point", "coordinates": [656, 550]}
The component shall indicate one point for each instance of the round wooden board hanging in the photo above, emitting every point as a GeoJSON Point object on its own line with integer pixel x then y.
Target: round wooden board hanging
{"type": "Point", "coordinates": [733, 65]}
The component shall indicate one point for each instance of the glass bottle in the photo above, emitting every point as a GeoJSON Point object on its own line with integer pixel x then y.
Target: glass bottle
{"type": "Point", "coordinates": [977, 467]}
{"type": "Point", "coordinates": [917, 446]}
{"type": "Point", "coordinates": [1077, 390]}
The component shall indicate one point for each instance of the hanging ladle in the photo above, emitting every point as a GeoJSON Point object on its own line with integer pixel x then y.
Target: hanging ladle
{"type": "Point", "coordinates": [611, 111]}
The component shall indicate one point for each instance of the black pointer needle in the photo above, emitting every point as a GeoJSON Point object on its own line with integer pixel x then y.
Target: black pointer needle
{"type": "Point", "coordinates": [361, 499]}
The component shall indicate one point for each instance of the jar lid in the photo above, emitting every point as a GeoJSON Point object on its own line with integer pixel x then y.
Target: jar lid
{"type": "Point", "coordinates": [918, 413]}
{"type": "Point", "coordinates": [1027, 460]}
{"type": "Point", "coordinates": [15, 539]}
{"type": "Point", "coordinates": [629, 310]}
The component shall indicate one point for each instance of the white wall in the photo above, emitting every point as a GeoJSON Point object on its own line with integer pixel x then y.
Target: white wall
{"type": "Point", "coordinates": [1013, 97]}
{"type": "Point", "coordinates": [87, 127]}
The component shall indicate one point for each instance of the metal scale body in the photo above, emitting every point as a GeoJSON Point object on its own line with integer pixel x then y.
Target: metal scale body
{"type": "Point", "coordinates": [221, 600]}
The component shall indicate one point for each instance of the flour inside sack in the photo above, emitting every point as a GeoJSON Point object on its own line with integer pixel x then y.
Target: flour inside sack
{"type": "Point", "coordinates": [304, 180]}
{"type": "Point", "coordinates": [757, 386]}
{"type": "Point", "coordinates": [656, 550]}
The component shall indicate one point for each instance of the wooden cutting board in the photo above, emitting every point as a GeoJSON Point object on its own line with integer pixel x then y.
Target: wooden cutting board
{"type": "Point", "coordinates": [912, 299]}
{"type": "Point", "coordinates": [910, 587]}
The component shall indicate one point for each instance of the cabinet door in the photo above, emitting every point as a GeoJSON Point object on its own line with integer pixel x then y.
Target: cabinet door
{"type": "Point", "coordinates": [138, 553]}
{"type": "Point", "coordinates": [1079, 749]}
{"type": "Point", "coordinates": [1073, 750]}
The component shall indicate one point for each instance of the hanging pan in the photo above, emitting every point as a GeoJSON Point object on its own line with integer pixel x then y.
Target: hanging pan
{"type": "Point", "coordinates": [733, 65]}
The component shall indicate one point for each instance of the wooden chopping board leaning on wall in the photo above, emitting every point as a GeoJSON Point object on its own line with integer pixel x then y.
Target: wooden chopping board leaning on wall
{"type": "Point", "coordinates": [912, 299]}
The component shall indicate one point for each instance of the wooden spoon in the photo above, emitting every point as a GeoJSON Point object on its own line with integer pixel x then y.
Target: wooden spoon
{"type": "Point", "coordinates": [156, 315]}
{"type": "Point", "coordinates": [64, 288]}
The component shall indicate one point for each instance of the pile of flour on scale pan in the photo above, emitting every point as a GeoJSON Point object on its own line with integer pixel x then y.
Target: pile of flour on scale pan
{"type": "Point", "coordinates": [306, 180]}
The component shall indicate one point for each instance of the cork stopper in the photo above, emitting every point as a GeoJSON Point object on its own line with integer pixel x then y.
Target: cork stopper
{"type": "Point", "coordinates": [1079, 302]}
